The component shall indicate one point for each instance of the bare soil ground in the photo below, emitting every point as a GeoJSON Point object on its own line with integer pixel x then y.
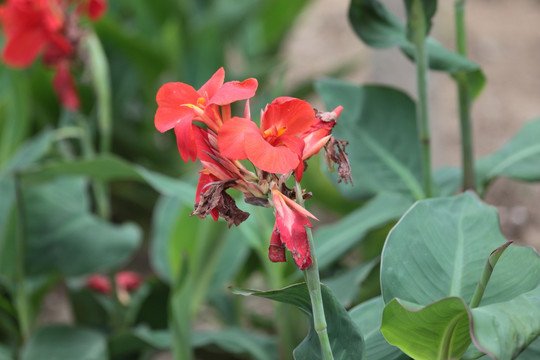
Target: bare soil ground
{"type": "Point", "coordinates": [504, 38]}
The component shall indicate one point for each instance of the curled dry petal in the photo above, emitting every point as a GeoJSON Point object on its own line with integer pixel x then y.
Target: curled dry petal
{"type": "Point", "coordinates": [216, 197]}
{"type": "Point", "coordinates": [336, 154]}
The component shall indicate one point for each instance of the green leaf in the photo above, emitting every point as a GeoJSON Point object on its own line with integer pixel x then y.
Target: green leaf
{"type": "Point", "coordinates": [532, 352]}
{"type": "Point", "coordinates": [380, 125]}
{"type": "Point", "coordinates": [439, 249]}
{"type": "Point", "coordinates": [61, 342]}
{"type": "Point", "coordinates": [368, 317]}
{"type": "Point", "coordinates": [102, 168]}
{"type": "Point", "coordinates": [237, 341]}
{"type": "Point", "coordinates": [444, 244]}
{"type": "Point", "coordinates": [109, 168]}
{"type": "Point", "coordinates": [504, 329]}
{"type": "Point", "coordinates": [437, 331]}
{"type": "Point", "coordinates": [519, 159]}
{"type": "Point", "coordinates": [379, 28]}
{"type": "Point", "coordinates": [5, 353]}
{"type": "Point", "coordinates": [345, 339]}
{"type": "Point", "coordinates": [346, 286]}
{"type": "Point", "coordinates": [332, 241]}
{"type": "Point", "coordinates": [62, 235]}
{"type": "Point", "coordinates": [173, 236]}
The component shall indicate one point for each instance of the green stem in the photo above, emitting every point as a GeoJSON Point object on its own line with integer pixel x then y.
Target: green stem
{"type": "Point", "coordinates": [22, 299]}
{"type": "Point", "coordinates": [465, 100]}
{"type": "Point", "coordinates": [99, 188]}
{"type": "Point", "coordinates": [99, 70]}
{"type": "Point", "coordinates": [422, 111]}
{"type": "Point", "coordinates": [313, 282]}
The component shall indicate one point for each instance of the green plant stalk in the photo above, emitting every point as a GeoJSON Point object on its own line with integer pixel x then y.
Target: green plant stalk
{"type": "Point", "coordinates": [422, 110]}
{"type": "Point", "coordinates": [99, 71]}
{"type": "Point", "coordinates": [99, 189]}
{"type": "Point", "coordinates": [313, 282]}
{"type": "Point", "coordinates": [22, 300]}
{"type": "Point", "coordinates": [486, 274]}
{"type": "Point", "coordinates": [180, 322]}
{"type": "Point", "coordinates": [465, 100]}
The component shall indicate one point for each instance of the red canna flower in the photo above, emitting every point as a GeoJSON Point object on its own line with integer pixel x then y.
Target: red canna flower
{"type": "Point", "coordinates": [290, 231]}
{"type": "Point", "coordinates": [179, 104]}
{"type": "Point", "coordinates": [276, 147]}
{"type": "Point", "coordinates": [32, 27]}
{"type": "Point", "coordinates": [28, 27]}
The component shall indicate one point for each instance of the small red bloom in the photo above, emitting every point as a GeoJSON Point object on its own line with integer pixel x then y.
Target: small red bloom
{"type": "Point", "coordinates": [99, 283]}
{"type": "Point", "coordinates": [290, 230]}
{"type": "Point", "coordinates": [128, 280]}
{"type": "Point", "coordinates": [93, 8]}
{"type": "Point", "coordinates": [179, 104]}
{"type": "Point", "coordinates": [276, 147]}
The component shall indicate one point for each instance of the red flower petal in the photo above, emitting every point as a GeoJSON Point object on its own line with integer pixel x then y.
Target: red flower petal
{"type": "Point", "coordinates": [22, 48]}
{"type": "Point", "coordinates": [99, 283]}
{"type": "Point", "coordinates": [96, 9]}
{"type": "Point", "coordinates": [232, 135]}
{"type": "Point", "coordinates": [64, 86]}
{"type": "Point", "coordinates": [170, 98]}
{"type": "Point", "coordinates": [185, 139]}
{"type": "Point", "coordinates": [291, 226]}
{"type": "Point", "coordinates": [295, 115]}
{"type": "Point", "coordinates": [128, 280]}
{"type": "Point", "coordinates": [273, 159]}
{"type": "Point", "coordinates": [212, 86]}
{"type": "Point", "coordinates": [276, 250]}
{"type": "Point", "coordinates": [235, 90]}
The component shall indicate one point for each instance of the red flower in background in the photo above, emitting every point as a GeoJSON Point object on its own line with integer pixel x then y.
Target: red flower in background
{"type": "Point", "coordinates": [179, 104]}
{"type": "Point", "coordinates": [32, 27]}
{"type": "Point", "coordinates": [125, 281]}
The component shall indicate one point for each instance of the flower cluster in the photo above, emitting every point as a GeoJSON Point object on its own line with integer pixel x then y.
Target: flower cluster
{"type": "Point", "coordinates": [290, 132]}
{"type": "Point", "coordinates": [48, 27]}
{"type": "Point", "coordinates": [126, 282]}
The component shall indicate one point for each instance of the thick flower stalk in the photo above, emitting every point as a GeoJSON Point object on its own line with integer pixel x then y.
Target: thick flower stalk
{"type": "Point", "coordinates": [256, 160]}
{"type": "Point", "coordinates": [49, 28]}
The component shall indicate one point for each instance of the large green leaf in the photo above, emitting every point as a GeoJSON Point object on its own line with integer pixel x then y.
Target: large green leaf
{"type": "Point", "coordinates": [439, 249]}
{"type": "Point", "coordinates": [368, 317]}
{"type": "Point", "coordinates": [437, 331]}
{"type": "Point", "coordinates": [5, 353]}
{"type": "Point", "coordinates": [62, 235]}
{"type": "Point", "coordinates": [61, 342]}
{"type": "Point", "coordinates": [504, 329]}
{"type": "Point", "coordinates": [345, 338]}
{"type": "Point", "coordinates": [332, 241]}
{"type": "Point", "coordinates": [380, 125]}
{"type": "Point", "coordinates": [379, 28]}
{"type": "Point", "coordinates": [519, 159]}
